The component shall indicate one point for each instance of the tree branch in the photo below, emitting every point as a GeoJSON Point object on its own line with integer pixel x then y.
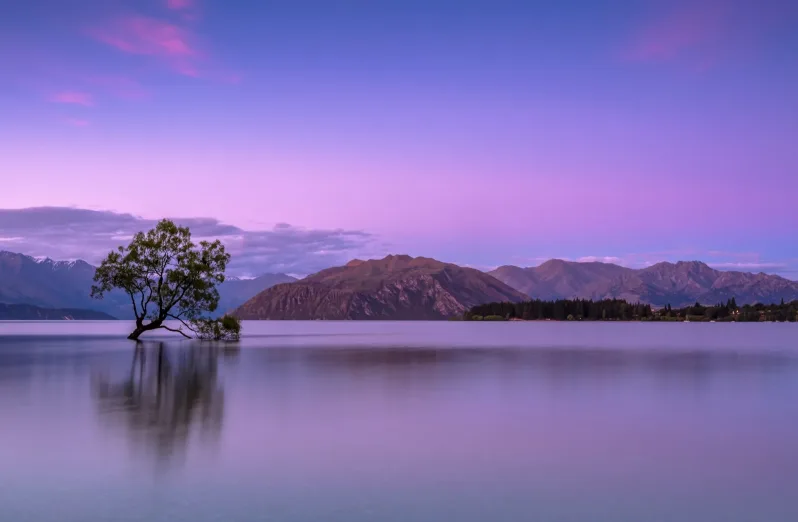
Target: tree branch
{"type": "Point", "coordinates": [135, 309]}
{"type": "Point", "coordinates": [177, 330]}
{"type": "Point", "coordinates": [187, 312]}
{"type": "Point", "coordinates": [173, 302]}
{"type": "Point", "coordinates": [161, 269]}
{"type": "Point", "coordinates": [182, 321]}
{"type": "Point", "coordinates": [143, 303]}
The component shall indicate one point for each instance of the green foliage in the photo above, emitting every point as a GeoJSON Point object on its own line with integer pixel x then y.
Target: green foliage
{"type": "Point", "coordinates": [494, 318]}
{"type": "Point", "coordinates": [226, 328]}
{"type": "Point", "coordinates": [167, 277]}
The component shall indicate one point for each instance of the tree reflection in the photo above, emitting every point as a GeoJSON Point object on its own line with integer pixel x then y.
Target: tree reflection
{"type": "Point", "coordinates": [168, 395]}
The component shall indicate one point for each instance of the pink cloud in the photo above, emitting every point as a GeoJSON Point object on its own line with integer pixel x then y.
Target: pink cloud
{"type": "Point", "coordinates": [76, 122]}
{"type": "Point", "coordinates": [147, 36]}
{"type": "Point", "coordinates": [140, 35]}
{"type": "Point", "coordinates": [694, 31]}
{"type": "Point", "coordinates": [179, 4]}
{"type": "Point", "coordinates": [73, 97]}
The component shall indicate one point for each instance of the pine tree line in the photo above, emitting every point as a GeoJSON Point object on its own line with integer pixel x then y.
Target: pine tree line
{"type": "Point", "coordinates": [621, 310]}
{"type": "Point", "coordinates": [563, 309]}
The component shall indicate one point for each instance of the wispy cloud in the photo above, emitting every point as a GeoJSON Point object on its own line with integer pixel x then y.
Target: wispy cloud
{"type": "Point", "coordinates": [73, 97]}
{"type": "Point", "coordinates": [178, 5]}
{"type": "Point", "coordinates": [535, 261]}
{"type": "Point", "coordinates": [480, 267]}
{"type": "Point", "coordinates": [692, 30]}
{"type": "Point", "coordinates": [187, 9]}
{"type": "Point", "coordinates": [734, 265]}
{"type": "Point", "coordinates": [172, 44]}
{"type": "Point", "coordinates": [170, 38]}
{"type": "Point", "coordinates": [77, 122]}
{"type": "Point", "coordinates": [601, 259]}
{"type": "Point", "coordinates": [73, 233]}
{"type": "Point", "coordinates": [719, 259]}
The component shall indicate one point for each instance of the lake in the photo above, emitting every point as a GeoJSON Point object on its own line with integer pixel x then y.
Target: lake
{"type": "Point", "coordinates": [401, 421]}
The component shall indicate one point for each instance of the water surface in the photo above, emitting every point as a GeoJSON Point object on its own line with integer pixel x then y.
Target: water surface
{"type": "Point", "coordinates": [359, 421]}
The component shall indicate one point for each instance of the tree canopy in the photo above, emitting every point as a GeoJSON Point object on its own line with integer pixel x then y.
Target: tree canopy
{"type": "Point", "coordinates": [168, 278]}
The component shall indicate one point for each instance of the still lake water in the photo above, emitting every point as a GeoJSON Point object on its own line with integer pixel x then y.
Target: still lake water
{"type": "Point", "coordinates": [362, 421]}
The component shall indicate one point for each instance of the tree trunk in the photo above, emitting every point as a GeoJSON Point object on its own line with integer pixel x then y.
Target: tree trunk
{"type": "Point", "coordinates": [134, 336]}
{"type": "Point", "coordinates": [141, 328]}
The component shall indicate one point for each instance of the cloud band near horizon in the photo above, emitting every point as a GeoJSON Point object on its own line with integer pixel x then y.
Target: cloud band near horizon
{"type": "Point", "coordinates": [68, 233]}
{"type": "Point", "coordinates": [64, 233]}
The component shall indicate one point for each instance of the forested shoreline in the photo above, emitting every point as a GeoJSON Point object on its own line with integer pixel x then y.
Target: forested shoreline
{"type": "Point", "coordinates": [621, 310]}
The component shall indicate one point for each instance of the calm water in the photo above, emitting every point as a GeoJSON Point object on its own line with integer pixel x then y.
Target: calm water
{"type": "Point", "coordinates": [401, 422]}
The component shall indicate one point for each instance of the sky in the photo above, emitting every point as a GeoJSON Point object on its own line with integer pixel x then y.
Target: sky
{"type": "Point", "coordinates": [306, 133]}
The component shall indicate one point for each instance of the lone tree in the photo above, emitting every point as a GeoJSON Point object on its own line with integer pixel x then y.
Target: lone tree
{"type": "Point", "coordinates": [169, 278]}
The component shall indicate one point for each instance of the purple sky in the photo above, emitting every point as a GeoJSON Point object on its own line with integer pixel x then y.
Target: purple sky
{"type": "Point", "coordinates": [482, 133]}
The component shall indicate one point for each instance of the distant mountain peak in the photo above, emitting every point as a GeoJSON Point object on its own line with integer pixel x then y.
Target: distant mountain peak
{"type": "Point", "coordinates": [678, 284]}
{"type": "Point", "coordinates": [46, 261]}
{"type": "Point", "coordinates": [399, 258]}
{"type": "Point", "coordinates": [554, 261]}
{"type": "Point", "coordinates": [394, 287]}
{"type": "Point", "coordinates": [66, 284]}
{"type": "Point", "coordinates": [681, 264]}
{"type": "Point", "coordinates": [693, 264]}
{"type": "Point", "coordinates": [50, 284]}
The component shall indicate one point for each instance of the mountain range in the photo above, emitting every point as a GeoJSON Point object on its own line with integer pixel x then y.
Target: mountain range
{"type": "Point", "coordinates": [678, 284]}
{"type": "Point", "coordinates": [58, 285]}
{"type": "Point", "coordinates": [25, 312]}
{"type": "Point", "coordinates": [46, 283]}
{"type": "Point", "coordinates": [399, 287]}
{"type": "Point", "coordinates": [396, 287]}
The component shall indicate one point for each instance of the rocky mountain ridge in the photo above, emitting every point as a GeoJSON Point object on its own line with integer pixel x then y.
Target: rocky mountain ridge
{"type": "Point", "coordinates": [45, 283]}
{"type": "Point", "coordinates": [402, 287]}
{"type": "Point", "coordinates": [678, 284]}
{"type": "Point", "coordinates": [396, 287]}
